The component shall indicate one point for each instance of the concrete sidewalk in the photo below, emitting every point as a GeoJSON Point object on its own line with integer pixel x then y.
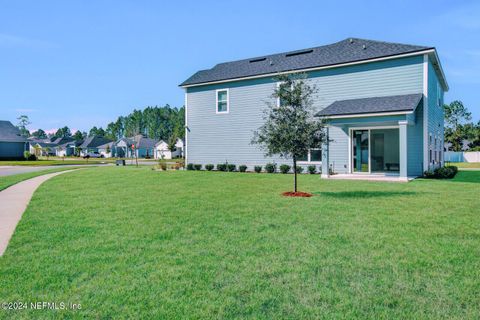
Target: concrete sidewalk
{"type": "Point", "coordinates": [14, 201]}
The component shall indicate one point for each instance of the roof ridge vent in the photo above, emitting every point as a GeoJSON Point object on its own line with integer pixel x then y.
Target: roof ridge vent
{"type": "Point", "coordinates": [297, 53]}
{"type": "Point", "coordinates": [351, 40]}
{"type": "Point", "coordinates": [257, 60]}
{"type": "Point", "coordinates": [364, 47]}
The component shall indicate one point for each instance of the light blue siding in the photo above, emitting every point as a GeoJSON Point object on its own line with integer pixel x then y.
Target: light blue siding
{"type": "Point", "coordinates": [12, 150]}
{"type": "Point", "coordinates": [415, 143]}
{"type": "Point", "coordinates": [435, 115]}
{"type": "Point", "coordinates": [215, 138]}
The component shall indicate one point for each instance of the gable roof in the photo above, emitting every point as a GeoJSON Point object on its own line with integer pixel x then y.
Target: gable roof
{"type": "Point", "coordinates": [10, 133]}
{"type": "Point", "coordinates": [348, 50]}
{"type": "Point", "coordinates": [94, 142]}
{"type": "Point", "coordinates": [399, 103]}
{"type": "Point", "coordinates": [142, 142]}
{"type": "Point", "coordinates": [106, 145]}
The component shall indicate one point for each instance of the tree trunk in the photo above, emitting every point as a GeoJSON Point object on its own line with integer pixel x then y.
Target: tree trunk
{"type": "Point", "coordinates": [295, 174]}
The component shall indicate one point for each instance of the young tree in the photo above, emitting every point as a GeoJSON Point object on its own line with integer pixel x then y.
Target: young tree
{"type": "Point", "coordinates": [290, 129]}
{"type": "Point", "coordinates": [23, 122]}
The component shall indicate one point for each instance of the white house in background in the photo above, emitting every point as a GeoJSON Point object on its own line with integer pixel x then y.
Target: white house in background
{"type": "Point", "coordinates": [163, 152]}
{"type": "Point", "coordinates": [106, 149]}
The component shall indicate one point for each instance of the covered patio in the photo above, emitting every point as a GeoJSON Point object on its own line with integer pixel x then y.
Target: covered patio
{"type": "Point", "coordinates": [378, 138]}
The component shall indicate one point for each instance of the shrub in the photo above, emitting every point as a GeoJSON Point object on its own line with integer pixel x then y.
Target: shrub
{"type": "Point", "coordinates": [231, 167]}
{"type": "Point", "coordinates": [284, 168]}
{"type": "Point", "coordinates": [197, 167]}
{"type": "Point", "coordinates": [258, 169]}
{"type": "Point", "coordinates": [222, 167]}
{"type": "Point", "coordinates": [209, 167]}
{"type": "Point", "coordinates": [242, 168]}
{"type": "Point", "coordinates": [190, 166]}
{"type": "Point", "coordinates": [299, 169]}
{"type": "Point", "coordinates": [312, 169]}
{"type": "Point", "coordinates": [271, 167]}
{"type": "Point", "coordinates": [447, 172]}
{"type": "Point", "coordinates": [29, 156]}
{"type": "Point", "coordinates": [163, 166]}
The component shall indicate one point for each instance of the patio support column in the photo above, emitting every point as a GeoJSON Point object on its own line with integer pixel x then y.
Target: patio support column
{"type": "Point", "coordinates": [402, 128]}
{"type": "Point", "coordinates": [325, 162]}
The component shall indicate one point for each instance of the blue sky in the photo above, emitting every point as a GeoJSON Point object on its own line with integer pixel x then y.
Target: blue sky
{"type": "Point", "coordinates": [84, 63]}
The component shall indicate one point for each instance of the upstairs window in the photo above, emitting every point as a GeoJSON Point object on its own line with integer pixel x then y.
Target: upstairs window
{"type": "Point", "coordinates": [222, 101]}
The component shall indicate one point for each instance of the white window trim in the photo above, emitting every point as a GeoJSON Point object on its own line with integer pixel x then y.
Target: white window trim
{"type": "Point", "coordinates": [216, 101]}
{"type": "Point", "coordinates": [309, 158]}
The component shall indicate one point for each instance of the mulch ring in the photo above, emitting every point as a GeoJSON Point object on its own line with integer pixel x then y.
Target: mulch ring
{"type": "Point", "coordinates": [297, 194]}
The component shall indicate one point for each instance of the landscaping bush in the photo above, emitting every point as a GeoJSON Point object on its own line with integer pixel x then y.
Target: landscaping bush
{"type": "Point", "coordinates": [284, 168]}
{"type": "Point", "coordinates": [447, 172]}
{"type": "Point", "coordinates": [209, 167]}
{"type": "Point", "coordinates": [29, 156]}
{"type": "Point", "coordinates": [222, 167]}
{"type": "Point", "coordinates": [312, 169]}
{"type": "Point", "coordinates": [190, 166]}
{"type": "Point", "coordinates": [299, 169]}
{"type": "Point", "coordinates": [231, 167]}
{"type": "Point", "coordinates": [163, 166]}
{"type": "Point", "coordinates": [197, 167]}
{"type": "Point", "coordinates": [258, 169]}
{"type": "Point", "coordinates": [271, 167]}
{"type": "Point", "coordinates": [242, 168]}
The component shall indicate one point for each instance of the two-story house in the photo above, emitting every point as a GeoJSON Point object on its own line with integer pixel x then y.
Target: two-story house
{"type": "Point", "coordinates": [382, 103]}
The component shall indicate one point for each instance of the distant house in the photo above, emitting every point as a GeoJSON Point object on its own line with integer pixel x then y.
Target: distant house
{"type": "Point", "coordinates": [12, 143]}
{"type": "Point", "coordinates": [42, 148]}
{"type": "Point", "coordinates": [106, 149]}
{"type": "Point", "coordinates": [162, 150]}
{"type": "Point", "coordinates": [91, 144]}
{"type": "Point", "coordinates": [144, 147]}
{"type": "Point", "coordinates": [64, 146]}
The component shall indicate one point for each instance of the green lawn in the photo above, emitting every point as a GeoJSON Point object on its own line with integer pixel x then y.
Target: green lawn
{"type": "Point", "coordinates": [470, 165]}
{"type": "Point", "coordinates": [7, 181]}
{"type": "Point", "coordinates": [130, 242]}
{"type": "Point", "coordinates": [71, 161]}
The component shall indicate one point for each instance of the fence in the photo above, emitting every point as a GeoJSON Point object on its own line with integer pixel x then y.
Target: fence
{"type": "Point", "coordinates": [452, 156]}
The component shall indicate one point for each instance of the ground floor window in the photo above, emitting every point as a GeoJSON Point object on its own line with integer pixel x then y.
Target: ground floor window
{"type": "Point", "coordinates": [313, 155]}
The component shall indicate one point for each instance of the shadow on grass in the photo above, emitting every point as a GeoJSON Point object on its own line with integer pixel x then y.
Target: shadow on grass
{"type": "Point", "coordinates": [365, 194]}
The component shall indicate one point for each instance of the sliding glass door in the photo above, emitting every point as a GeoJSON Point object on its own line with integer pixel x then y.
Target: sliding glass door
{"type": "Point", "coordinates": [375, 150]}
{"type": "Point", "coordinates": [360, 140]}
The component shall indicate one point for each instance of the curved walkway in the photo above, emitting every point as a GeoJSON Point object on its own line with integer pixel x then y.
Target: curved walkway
{"type": "Point", "coordinates": [14, 201]}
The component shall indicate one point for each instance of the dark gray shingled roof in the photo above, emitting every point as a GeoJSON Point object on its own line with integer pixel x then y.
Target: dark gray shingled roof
{"type": "Point", "coordinates": [407, 102]}
{"type": "Point", "coordinates": [10, 133]}
{"type": "Point", "coordinates": [94, 142]}
{"type": "Point", "coordinates": [348, 50]}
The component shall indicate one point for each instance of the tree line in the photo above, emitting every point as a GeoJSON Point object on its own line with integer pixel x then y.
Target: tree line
{"type": "Point", "coordinates": [159, 123]}
{"type": "Point", "coordinates": [460, 131]}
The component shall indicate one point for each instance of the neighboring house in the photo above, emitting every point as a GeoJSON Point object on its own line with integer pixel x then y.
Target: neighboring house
{"type": "Point", "coordinates": [12, 143]}
{"type": "Point", "coordinates": [91, 144]}
{"type": "Point", "coordinates": [106, 149]}
{"type": "Point", "coordinates": [382, 103]}
{"type": "Point", "coordinates": [64, 146]}
{"type": "Point", "coordinates": [44, 149]}
{"type": "Point", "coordinates": [143, 147]}
{"type": "Point", "coordinates": [162, 151]}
